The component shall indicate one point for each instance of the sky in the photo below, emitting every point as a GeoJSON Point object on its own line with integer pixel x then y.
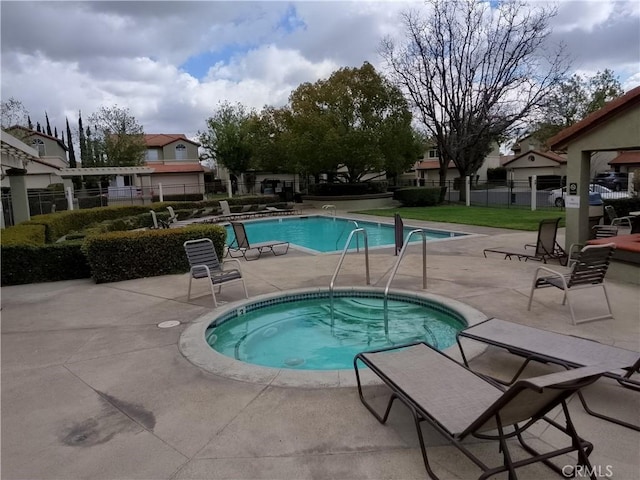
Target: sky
{"type": "Point", "coordinates": [172, 63]}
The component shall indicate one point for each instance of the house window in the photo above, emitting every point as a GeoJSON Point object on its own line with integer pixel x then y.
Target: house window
{"type": "Point", "coordinates": [181, 152]}
{"type": "Point", "coordinates": [152, 155]}
{"type": "Point", "coordinates": [39, 146]}
{"type": "Point", "coordinates": [433, 153]}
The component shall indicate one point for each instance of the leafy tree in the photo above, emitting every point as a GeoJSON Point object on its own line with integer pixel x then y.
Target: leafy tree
{"type": "Point", "coordinates": [72, 154]}
{"type": "Point", "coordinates": [473, 70]}
{"type": "Point", "coordinates": [574, 99]}
{"type": "Point", "coordinates": [354, 119]}
{"type": "Point", "coordinates": [270, 140]}
{"type": "Point", "coordinates": [227, 138]}
{"type": "Point", "coordinates": [118, 139]}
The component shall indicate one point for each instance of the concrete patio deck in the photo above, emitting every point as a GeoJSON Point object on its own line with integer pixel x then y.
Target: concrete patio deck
{"type": "Point", "coordinates": [92, 388]}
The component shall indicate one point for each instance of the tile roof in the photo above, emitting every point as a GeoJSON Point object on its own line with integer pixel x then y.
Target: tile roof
{"type": "Point", "coordinates": [432, 165]}
{"type": "Point", "coordinates": [31, 133]}
{"type": "Point", "coordinates": [184, 168]}
{"type": "Point", "coordinates": [162, 139]}
{"type": "Point", "coordinates": [628, 100]}
{"type": "Point", "coordinates": [625, 158]}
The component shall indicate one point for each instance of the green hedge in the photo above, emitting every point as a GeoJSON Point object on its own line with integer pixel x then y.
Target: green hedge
{"type": "Point", "coordinates": [339, 189]}
{"type": "Point", "coordinates": [23, 235]}
{"type": "Point", "coordinates": [118, 256]}
{"type": "Point", "coordinates": [420, 196]}
{"type": "Point", "coordinates": [45, 263]}
{"type": "Point", "coordinates": [624, 205]}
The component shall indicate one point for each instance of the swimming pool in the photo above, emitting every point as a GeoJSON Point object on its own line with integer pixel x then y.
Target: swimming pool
{"type": "Point", "coordinates": [328, 234]}
{"type": "Point", "coordinates": [261, 346]}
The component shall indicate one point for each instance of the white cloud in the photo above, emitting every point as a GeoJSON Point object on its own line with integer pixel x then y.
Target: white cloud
{"type": "Point", "coordinates": [130, 53]}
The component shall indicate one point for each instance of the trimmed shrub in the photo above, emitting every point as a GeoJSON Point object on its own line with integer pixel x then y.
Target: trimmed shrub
{"type": "Point", "coordinates": [118, 256]}
{"type": "Point", "coordinates": [420, 196]}
{"type": "Point", "coordinates": [341, 189]}
{"type": "Point", "coordinates": [45, 263]}
{"type": "Point", "coordinates": [23, 234]}
{"type": "Point", "coordinates": [624, 205]}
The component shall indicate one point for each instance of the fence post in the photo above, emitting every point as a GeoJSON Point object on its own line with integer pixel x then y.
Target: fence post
{"type": "Point", "coordinates": [534, 191]}
{"type": "Point", "coordinates": [160, 192]}
{"type": "Point", "coordinates": [69, 198]}
{"type": "Point", "coordinates": [229, 192]}
{"type": "Point", "coordinates": [467, 189]}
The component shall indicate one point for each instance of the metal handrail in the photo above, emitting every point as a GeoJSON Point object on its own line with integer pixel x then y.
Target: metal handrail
{"type": "Point", "coordinates": [344, 253]}
{"type": "Point", "coordinates": [342, 231]}
{"type": "Point", "coordinates": [395, 269]}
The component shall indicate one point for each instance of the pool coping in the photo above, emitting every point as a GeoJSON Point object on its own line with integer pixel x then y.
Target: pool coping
{"type": "Point", "coordinates": [461, 234]}
{"type": "Point", "coordinates": [194, 347]}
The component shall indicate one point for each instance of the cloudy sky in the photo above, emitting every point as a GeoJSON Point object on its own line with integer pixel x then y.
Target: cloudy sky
{"type": "Point", "coordinates": [171, 63]}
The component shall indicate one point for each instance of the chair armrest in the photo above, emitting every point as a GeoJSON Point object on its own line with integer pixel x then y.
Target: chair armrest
{"type": "Point", "coordinates": [232, 260]}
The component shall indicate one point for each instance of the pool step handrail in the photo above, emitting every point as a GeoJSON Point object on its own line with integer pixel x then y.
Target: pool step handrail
{"type": "Point", "coordinates": [344, 253]}
{"type": "Point", "coordinates": [343, 230]}
{"type": "Point", "coordinates": [395, 269]}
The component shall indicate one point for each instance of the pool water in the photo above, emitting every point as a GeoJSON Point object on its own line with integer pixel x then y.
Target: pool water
{"type": "Point", "coordinates": [299, 334]}
{"type": "Point", "coordinates": [327, 234]}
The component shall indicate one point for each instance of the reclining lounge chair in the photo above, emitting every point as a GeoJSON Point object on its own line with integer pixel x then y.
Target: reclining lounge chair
{"type": "Point", "coordinates": [567, 351]}
{"type": "Point", "coordinates": [241, 244]}
{"type": "Point", "coordinates": [546, 246]}
{"type": "Point", "coordinates": [459, 403]}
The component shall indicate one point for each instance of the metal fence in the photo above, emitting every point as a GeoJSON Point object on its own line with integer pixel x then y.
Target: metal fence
{"type": "Point", "coordinates": [516, 194]}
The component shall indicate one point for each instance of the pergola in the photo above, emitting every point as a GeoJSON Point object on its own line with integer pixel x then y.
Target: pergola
{"type": "Point", "coordinates": [615, 127]}
{"type": "Point", "coordinates": [15, 155]}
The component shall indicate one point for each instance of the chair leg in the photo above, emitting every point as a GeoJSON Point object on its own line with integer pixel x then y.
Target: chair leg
{"type": "Point", "coordinates": [606, 297]}
{"type": "Point", "coordinates": [213, 293]}
{"type": "Point", "coordinates": [568, 300]}
{"type": "Point", "coordinates": [246, 292]}
{"type": "Point", "coordinates": [189, 291]}
{"type": "Point", "coordinates": [533, 288]}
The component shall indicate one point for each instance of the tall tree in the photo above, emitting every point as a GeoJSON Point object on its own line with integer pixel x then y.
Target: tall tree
{"type": "Point", "coordinates": [72, 154]}
{"type": "Point", "coordinates": [574, 99]}
{"type": "Point", "coordinates": [355, 122]}
{"type": "Point", "coordinates": [13, 113]}
{"type": "Point", "coordinates": [473, 70]}
{"type": "Point", "coordinates": [29, 124]}
{"type": "Point", "coordinates": [82, 141]}
{"type": "Point", "coordinates": [48, 125]}
{"type": "Point", "coordinates": [118, 139]}
{"type": "Point", "coordinates": [227, 138]}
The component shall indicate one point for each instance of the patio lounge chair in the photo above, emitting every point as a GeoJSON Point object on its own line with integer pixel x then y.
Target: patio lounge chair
{"type": "Point", "coordinates": [546, 246]}
{"type": "Point", "coordinates": [226, 211]}
{"type": "Point", "coordinates": [173, 218]}
{"type": "Point", "coordinates": [588, 270]}
{"type": "Point", "coordinates": [614, 219]}
{"type": "Point", "coordinates": [241, 244]}
{"type": "Point", "coordinates": [156, 222]}
{"type": "Point", "coordinates": [204, 263]}
{"type": "Point", "coordinates": [543, 346]}
{"type": "Point", "coordinates": [459, 403]}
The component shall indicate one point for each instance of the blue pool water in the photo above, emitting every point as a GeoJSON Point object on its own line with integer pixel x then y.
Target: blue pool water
{"type": "Point", "coordinates": [297, 333]}
{"type": "Point", "coordinates": [327, 234]}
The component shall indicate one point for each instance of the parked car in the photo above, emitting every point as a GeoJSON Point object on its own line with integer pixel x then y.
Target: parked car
{"type": "Point", "coordinates": [556, 196]}
{"type": "Point", "coordinates": [614, 180]}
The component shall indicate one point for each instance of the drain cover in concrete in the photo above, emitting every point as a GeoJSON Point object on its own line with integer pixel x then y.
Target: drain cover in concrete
{"type": "Point", "coordinates": [169, 324]}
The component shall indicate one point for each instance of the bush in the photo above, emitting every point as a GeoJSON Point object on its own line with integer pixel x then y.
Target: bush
{"type": "Point", "coordinates": [343, 189]}
{"type": "Point", "coordinates": [23, 234]}
{"type": "Point", "coordinates": [118, 256]}
{"type": "Point", "coordinates": [624, 205]}
{"type": "Point", "coordinates": [45, 263]}
{"type": "Point", "coordinates": [420, 196]}
{"type": "Point", "coordinates": [498, 174]}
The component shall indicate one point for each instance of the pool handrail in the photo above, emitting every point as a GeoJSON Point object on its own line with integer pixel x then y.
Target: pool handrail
{"type": "Point", "coordinates": [344, 253]}
{"type": "Point", "coordinates": [342, 231]}
{"type": "Point", "coordinates": [395, 269]}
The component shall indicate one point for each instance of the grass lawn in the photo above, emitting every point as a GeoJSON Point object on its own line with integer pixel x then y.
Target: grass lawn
{"type": "Point", "coordinates": [513, 218]}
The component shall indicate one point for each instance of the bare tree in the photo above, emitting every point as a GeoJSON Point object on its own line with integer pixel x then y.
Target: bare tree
{"type": "Point", "coordinates": [118, 139]}
{"type": "Point", "coordinates": [473, 70]}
